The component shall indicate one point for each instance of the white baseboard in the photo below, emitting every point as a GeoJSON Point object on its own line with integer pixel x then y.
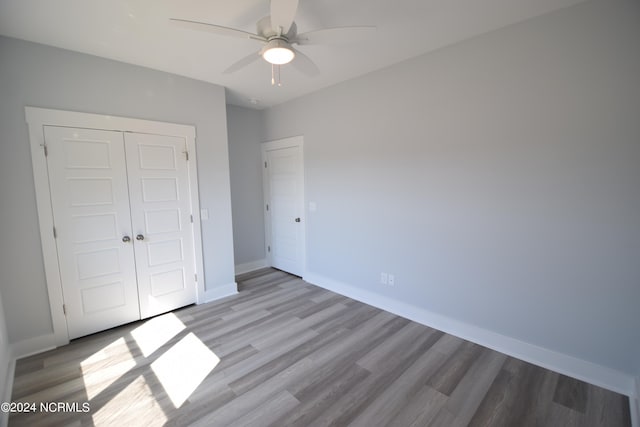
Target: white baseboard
{"type": "Point", "coordinates": [220, 292]}
{"type": "Point", "coordinates": [251, 266]}
{"type": "Point", "coordinates": [599, 375]}
{"type": "Point", "coordinates": [34, 345]}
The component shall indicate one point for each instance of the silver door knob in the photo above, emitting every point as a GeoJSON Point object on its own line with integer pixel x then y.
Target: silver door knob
{"type": "Point", "coordinates": [297, 220]}
{"type": "Point", "coordinates": [126, 239]}
{"type": "Point", "coordinates": [139, 237]}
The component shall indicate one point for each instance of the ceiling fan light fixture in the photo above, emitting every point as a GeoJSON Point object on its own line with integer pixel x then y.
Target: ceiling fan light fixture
{"type": "Point", "coordinates": [278, 52]}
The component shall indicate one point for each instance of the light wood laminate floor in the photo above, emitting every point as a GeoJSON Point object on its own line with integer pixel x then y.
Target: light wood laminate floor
{"type": "Point", "coordinates": [283, 352]}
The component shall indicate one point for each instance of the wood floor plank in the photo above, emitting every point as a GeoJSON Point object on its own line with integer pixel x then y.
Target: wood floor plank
{"type": "Point", "coordinates": [198, 407]}
{"type": "Point", "coordinates": [283, 334]}
{"type": "Point", "coordinates": [571, 393]}
{"type": "Point", "coordinates": [318, 397]}
{"type": "Point", "coordinates": [560, 415]}
{"type": "Point", "coordinates": [267, 413]}
{"type": "Point", "coordinates": [279, 364]}
{"type": "Point", "coordinates": [365, 393]}
{"type": "Point", "coordinates": [447, 378]}
{"type": "Point", "coordinates": [503, 403]}
{"type": "Point", "coordinates": [466, 397]}
{"type": "Point", "coordinates": [286, 353]}
{"type": "Point", "coordinates": [388, 349]}
{"type": "Point", "coordinates": [420, 409]}
{"type": "Point", "coordinates": [255, 397]}
{"type": "Point", "coordinates": [265, 356]}
{"type": "Point", "coordinates": [353, 318]}
{"type": "Point", "coordinates": [605, 408]}
{"type": "Point", "coordinates": [340, 355]}
{"type": "Point", "coordinates": [388, 404]}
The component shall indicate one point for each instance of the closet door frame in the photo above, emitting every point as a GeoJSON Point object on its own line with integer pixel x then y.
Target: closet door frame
{"type": "Point", "coordinates": [36, 119]}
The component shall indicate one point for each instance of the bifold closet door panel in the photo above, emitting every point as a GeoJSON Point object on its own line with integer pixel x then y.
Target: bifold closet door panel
{"type": "Point", "coordinates": [161, 216]}
{"type": "Point", "coordinates": [90, 203]}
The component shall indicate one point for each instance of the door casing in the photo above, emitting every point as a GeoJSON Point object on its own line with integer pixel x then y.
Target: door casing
{"type": "Point", "coordinates": [36, 119]}
{"type": "Point", "coordinates": [295, 141]}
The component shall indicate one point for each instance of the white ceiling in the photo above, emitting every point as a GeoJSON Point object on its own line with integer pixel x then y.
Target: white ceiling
{"type": "Point", "coordinates": [139, 32]}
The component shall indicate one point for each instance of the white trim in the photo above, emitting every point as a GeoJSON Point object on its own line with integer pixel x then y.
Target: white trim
{"type": "Point", "coordinates": [36, 119]}
{"type": "Point", "coordinates": [293, 141]}
{"type": "Point", "coordinates": [279, 144]}
{"type": "Point", "coordinates": [195, 212]}
{"type": "Point", "coordinates": [593, 373]}
{"type": "Point", "coordinates": [266, 199]}
{"type": "Point", "coordinates": [45, 116]}
{"type": "Point", "coordinates": [45, 219]}
{"type": "Point", "coordinates": [251, 266]}
{"type": "Point", "coordinates": [220, 292]}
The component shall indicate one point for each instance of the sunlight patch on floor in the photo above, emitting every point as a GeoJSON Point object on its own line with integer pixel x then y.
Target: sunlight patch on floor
{"type": "Point", "coordinates": [104, 367]}
{"type": "Point", "coordinates": [135, 405]}
{"type": "Point", "coordinates": [183, 367]}
{"type": "Point", "coordinates": [156, 332]}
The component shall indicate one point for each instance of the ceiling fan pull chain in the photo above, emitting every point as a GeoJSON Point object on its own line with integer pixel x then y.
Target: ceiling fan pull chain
{"type": "Point", "coordinates": [273, 78]}
{"type": "Point", "coordinates": [279, 79]}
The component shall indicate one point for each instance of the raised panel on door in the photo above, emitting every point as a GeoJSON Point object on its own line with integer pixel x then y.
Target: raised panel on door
{"type": "Point", "coordinates": [90, 201]}
{"type": "Point", "coordinates": [285, 181]}
{"type": "Point", "coordinates": [161, 216]}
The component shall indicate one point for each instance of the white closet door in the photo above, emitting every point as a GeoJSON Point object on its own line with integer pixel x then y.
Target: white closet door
{"type": "Point", "coordinates": [161, 216]}
{"type": "Point", "coordinates": [90, 202]}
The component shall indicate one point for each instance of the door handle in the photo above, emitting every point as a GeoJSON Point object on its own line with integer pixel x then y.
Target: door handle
{"type": "Point", "coordinates": [139, 237]}
{"type": "Point", "coordinates": [126, 239]}
{"type": "Point", "coordinates": [297, 220]}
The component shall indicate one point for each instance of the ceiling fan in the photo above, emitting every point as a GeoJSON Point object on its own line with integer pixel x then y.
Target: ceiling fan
{"type": "Point", "coordinates": [278, 33]}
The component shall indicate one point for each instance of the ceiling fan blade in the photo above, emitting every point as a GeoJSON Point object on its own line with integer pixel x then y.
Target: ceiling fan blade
{"type": "Point", "coordinates": [215, 29]}
{"type": "Point", "coordinates": [282, 14]}
{"type": "Point", "coordinates": [247, 60]}
{"type": "Point", "coordinates": [337, 35]}
{"type": "Point", "coordinates": [304, 64]}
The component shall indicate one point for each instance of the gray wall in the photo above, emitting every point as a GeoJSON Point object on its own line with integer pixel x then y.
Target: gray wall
{"type": "Point", "coordinates": [41, 76]}
{"type": "Point", "coordinates": [498, 179]}
{"type": "Point", "coordinates": [245, 158]}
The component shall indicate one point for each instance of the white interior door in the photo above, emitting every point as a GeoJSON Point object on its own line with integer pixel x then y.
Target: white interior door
{"type": "Point", "coordinates": [162, 224]}
{"type": "Point", "coordinates": [90, 202]}
{"type": "Point", "coordinates": [285, 199]}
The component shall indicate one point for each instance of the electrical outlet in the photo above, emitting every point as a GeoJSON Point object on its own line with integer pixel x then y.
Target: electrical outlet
{"type": "Point", "coordinates": [391, 280]}
{"type": "Point", "coordinates": [384, 277]}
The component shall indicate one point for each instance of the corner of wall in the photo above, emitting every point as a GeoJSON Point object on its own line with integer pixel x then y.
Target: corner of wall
{"type": "Point", "coordinates": [251, 266]}
{"type": "Point", "coordinates": [32, 346]}
{"type": "Point", "coordinates": [219, 292]}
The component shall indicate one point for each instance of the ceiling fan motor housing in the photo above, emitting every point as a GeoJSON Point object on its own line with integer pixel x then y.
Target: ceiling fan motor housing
{"type": "Point", "coordinates": [264, 29]}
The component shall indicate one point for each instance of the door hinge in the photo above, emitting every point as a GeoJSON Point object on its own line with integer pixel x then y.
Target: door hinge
{"type": "Point", "coordinates": [46, 150]}
{"type": "Point", "coordinates": [64, 309]}
{"type": "Point", "coordinates": [186, 155]}
{"type": "Point", "coordinates": [265, 165]}
{"type": "Point", "coordinates": [192, 219]}
{"type": "Point", "coordinates": [195, 277]}
{"type": "Point", "coordinates": [268, 248]}
{"type": "Point", "coordinates": [267, 206]}
{"type": "Point", "coordinates": [55, 233]}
